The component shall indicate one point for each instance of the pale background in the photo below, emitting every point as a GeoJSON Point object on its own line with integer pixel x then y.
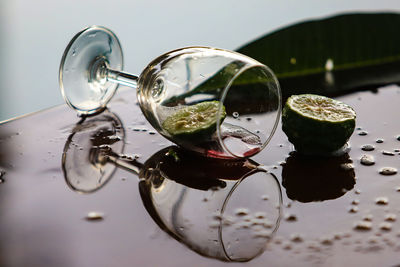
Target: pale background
{"type": "Point", "coordinates": [33, 34]}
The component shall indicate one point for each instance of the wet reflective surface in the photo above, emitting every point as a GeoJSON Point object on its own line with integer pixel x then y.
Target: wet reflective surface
{"type": "Point", "coordinates": [45, 223]}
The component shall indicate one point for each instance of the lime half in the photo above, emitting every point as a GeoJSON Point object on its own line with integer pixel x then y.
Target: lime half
{"type": "Point", "coordinates": [197, 122]}
{"type": "Point", "coordinates": [317, 124]}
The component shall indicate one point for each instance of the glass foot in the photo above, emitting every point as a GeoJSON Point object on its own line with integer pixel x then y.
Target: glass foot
{"type": "Point", "coordinates": [83, 69]}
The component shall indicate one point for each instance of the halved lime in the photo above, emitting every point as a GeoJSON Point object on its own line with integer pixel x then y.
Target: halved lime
{"type": "Point", "coordinates": [196, 122]}
{"type": "Point", "coordinates": [317, 124]}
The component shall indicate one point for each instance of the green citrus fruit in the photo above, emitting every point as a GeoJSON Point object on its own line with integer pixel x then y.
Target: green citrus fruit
{"type": "Point", "coordinates": [317, 124]}
{"type": "Point", "coordinates": [197, 122]}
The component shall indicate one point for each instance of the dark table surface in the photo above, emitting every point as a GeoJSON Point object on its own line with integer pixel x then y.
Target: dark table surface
{"type": "Point", "coordinates": [43, 221]}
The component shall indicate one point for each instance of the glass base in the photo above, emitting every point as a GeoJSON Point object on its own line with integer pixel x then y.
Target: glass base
{"type": "Point", "coordinates": [83, 69]}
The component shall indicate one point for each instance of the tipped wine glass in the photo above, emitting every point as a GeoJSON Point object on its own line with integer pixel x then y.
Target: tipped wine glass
{"type": "Point", "coordinates": [212, 101]}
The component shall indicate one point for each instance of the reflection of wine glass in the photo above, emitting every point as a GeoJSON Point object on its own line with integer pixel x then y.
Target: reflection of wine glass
{"type": "Point", "coordinates": [217, 208]}
{"type": "Point", "coordinates": [88, 137]}
{"type": "Point", "coordinates": [90, 72]}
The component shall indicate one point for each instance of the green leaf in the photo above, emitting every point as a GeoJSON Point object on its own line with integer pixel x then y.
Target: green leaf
{"type": "Point", "coordinates": [333, 55]}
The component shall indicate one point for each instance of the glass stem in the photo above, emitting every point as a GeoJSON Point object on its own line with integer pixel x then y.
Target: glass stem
{"type": "Point", "coordinates": [129, 165]}
{"type": "Point", "coordinates": [122, 78]}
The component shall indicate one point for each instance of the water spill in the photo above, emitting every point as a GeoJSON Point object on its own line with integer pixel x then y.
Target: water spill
{"type": "Point", "coordinates": [94, 216]}
{"type": "Point", "coordinates": [367, 160]}
{"type": "Point", "coordinates": [388, 171]}
{"type": "Point", "coordinates": [368, 147]}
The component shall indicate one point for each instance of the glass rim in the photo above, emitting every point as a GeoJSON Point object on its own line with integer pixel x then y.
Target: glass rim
{"type": "Point", "coordinates": [227, 87]}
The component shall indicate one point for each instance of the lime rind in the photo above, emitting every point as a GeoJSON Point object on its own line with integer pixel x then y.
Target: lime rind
{"type": "Point", "coordinates": [312, 129]}
{"type": "Point", "coordinates": [197, 122]}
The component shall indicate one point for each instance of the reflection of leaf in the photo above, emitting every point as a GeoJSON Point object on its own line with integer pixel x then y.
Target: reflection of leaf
{"type": "Point", "coordinates": [363, 49]}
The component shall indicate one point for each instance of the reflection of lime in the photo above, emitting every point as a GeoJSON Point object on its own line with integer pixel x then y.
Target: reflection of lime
{"type": "Point", "coordinates": [316, 124]}
{"type": "Point", "coordinates": [193, 122]}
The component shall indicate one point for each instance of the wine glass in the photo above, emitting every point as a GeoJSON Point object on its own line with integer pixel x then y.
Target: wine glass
{"type": "Point", "coordinates": [223, 209]}
{"type": "Point", "coordinates": [213, 101]}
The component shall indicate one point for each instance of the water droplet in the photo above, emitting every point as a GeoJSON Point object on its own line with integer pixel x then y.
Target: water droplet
{"type": "Point", "coordinates": [363, 226]}
{"type": "Point", "coordinates": [227, 221]}
{"type": "Point", "coordinates": [217, 216]}
{"type": "Point", "coordinates": [2, 173]}
{"type": "Point", "coordinates": [243, 225]}
{"type": "Point", "coordinates": [357, 191]}
{"type": "Point", "coordinates": [398, 138]}
{"type": "Point", "coordinates": [372, 240]}
{"type": "Point", "coordinates": [368, 147]}
{"type": "Point", "coordinates": [152, 133]}
{"type": "Point", "coordinates": [363, 133]}
{"type": "Point", "coordinates": [379, 141]}
{"type": "Point", "coordinates": [385, 226]}
{"type": "Point", "coordinates": [353, 210]}
{"type": "Point", "coordinates": [297, 238]}
{"type": "Point", "coordinates": [248, 119]}
{"type": "Point", "coordinates": [382, 201]}
{"type": "Point", "coordinates": [388, 171]}
{"type": "Point", "coordinates": [260, 215]}
{"type": "Point", "coordinates": [398, 189]}
{"type": "Point", "coordinates": [347, 166]}
{"type": "Point", "coordinates": [262, 234]}
{"type": "Point", "coordinates": [287, 246]}
{"type": "Point", "coordinates": [235, 114]}
{"type": "Point", "coordinates": [367, 160]}
{"type": "Point", "coordinates": [264, 197]}
{"type": "Point", "coordinates": [355, 202]}
{"type": "Point", "coordinates": [95, 216]}
{"type": "Point", "coordinates": [291, 218]}
{"type": "Point", "coordinates": [337, 236]}
{"type": "Point", "coordinates": [390, 217]}
{"type": "Point", "coordinates": [388, 153]}
{"type": "Point", "coordinates": [214, 224]}
{"type": "Point", "coordinates": [368, 218]}
{"type": "Point", "coordinates": [241, 212]}
{"type": "Point", "coordinates": [327, 241]}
